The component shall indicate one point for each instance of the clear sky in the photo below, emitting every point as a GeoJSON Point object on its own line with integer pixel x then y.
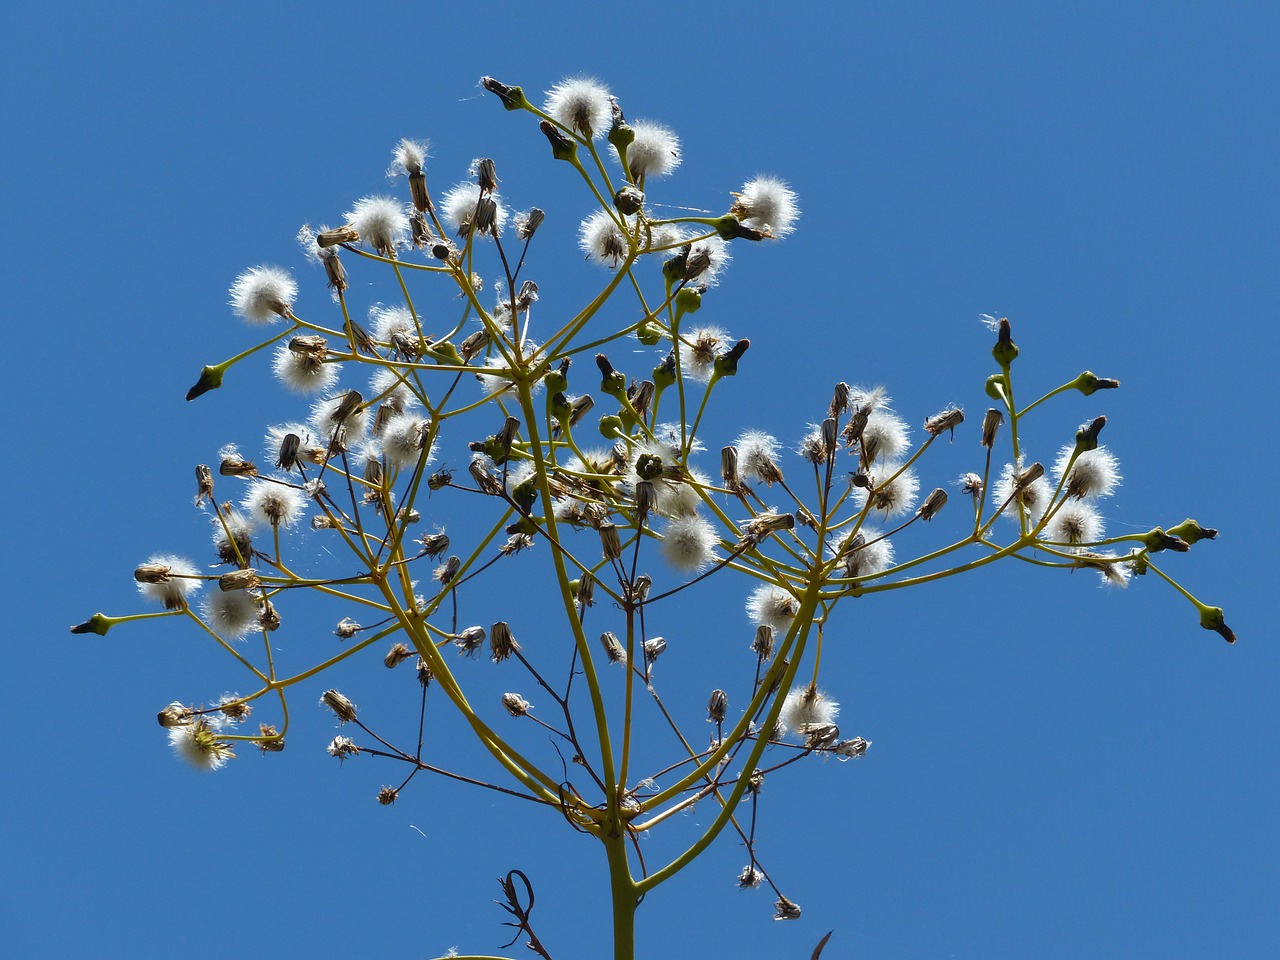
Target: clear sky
{"type": "Point", "coordinates": [1057, 770]}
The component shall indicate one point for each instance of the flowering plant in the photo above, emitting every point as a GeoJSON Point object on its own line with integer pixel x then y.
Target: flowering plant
{"type": "Point", "coordinates": [627, 528]}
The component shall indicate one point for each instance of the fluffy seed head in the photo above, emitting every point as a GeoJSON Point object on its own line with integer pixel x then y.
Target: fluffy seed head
{"type": "Point", "coordinates": [807, 707]}
{"type": "Point", "coordinates": [1075, 523]}
{"type": "Point", "coordinates": [767, 204]}
{"type": "Point", "coordinates": [461, 210]}
{"type": "Point", "coordinates": [408, 157]}
{"type": "Point", "coordinates": [171, 580]}
{"type": "Point", "coordinates": [601, 240]}
{"type": "Point", "coordinates": [757, 457]}
{"type": "Point", "coordinates": [304, 372]}
{"type": "Point", "coordinates": [581, 104]}
{"type": "Point", "coordinates": [231, 614]}
{"type": "Point", "coordinates": [198, 744]}
{"type": "Point", "coordinates": [403, 439]}
{"type": "Point", "coordinates": [655, 151]}
{"type": "Point", "coordinates": [890, 497]}
{"type": "Point", "coordinates": [275, 504]}
{"type": "Point", "coordinates": [1095, 473]}
{"type": "Point", "coordinates": [1034, 496]}
{"type": "Point", "coordinates": [382, 223]}
{"type": "Point", "coordinates": [772, 606]}
{"type": "Point", "coordinates": [689, 543]}
{"type": "Point", "coordinates": [263, 294]}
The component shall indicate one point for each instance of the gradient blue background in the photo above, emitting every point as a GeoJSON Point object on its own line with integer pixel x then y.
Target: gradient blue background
{"type": "Point", "coordinates": [1057, 771]}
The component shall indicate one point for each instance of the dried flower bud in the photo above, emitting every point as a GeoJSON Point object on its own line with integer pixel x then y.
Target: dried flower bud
{"type": "Point", "coordinates": [397, 655]}
{"type": "Point", "coordinates": [268, 617]}
{"type": "Point", "coordinates": [269, 740]}
{"type": "Point", "coordinates": [235, 466]}
{"type": "Point", "coordinates": [579, 408]}
{"type": "Point", "coordinates": [434, 544]}
{"type": "Point", "coordinates": [820, 736]}
{"type": "Point", "coordinates": [152, 573]}
{"type": "Point", "coordinates": [425, 676]}
{"type": "Point", "coordinates": [784, 909]}
{"type": "Point", "coordinates": [948, 419]}
{"type": "Point", "coordinates": [204, 483]}
{"type": "Point", "coordinates": [246, 579]}
{"type": "Point", "coordinates": [586, 590]}
{"type": "Point", "coordinates": [717, 706]}
{"type": "Point", "coordinates": [654, 647]}
{"type": "Point", "coordinates": [757, 528]}
{"type": "Point", "coordinates": [971, 484]}
{"type": "Point", "coordinates": [755, 782]}
{"type": "Point", "coordinates": [486, 173]}
{"type": "Point", "coordinates": [447, 570]}
{"type": "Point", "coordinates": [515, 543]}
{"type": "Point", "coordinates": [527, 224]}
{"type": "Point", "coordinates": [470, 640]}
{"type": "Point", "coordinates": [176, 715]}
{"type": "Point", "coordinates": [750, 877]}
{"type": "Point", "coordinates": [342, 708]}
{"type": "Point", "coordinates": [851, 749]}
{"type": "Point", "coordinates": [637, 591]}
{"type": "Point", "coordinates": [932, 504]}
{"type": "Point", "coordinates": [613, 648]}
{"type": "Point", "coordinates": [990, 424]}
{"type": "Point", "coordinates": [729, 468]}
{"type": "Point", "coordinates": [610, 543]}
{"type": "Point", "coordinates": [501, 643]}
{"type": "Point", "coordinates": [387, 796]}
{"type": "Point", "coordinates": [839, 400]}
{"type": "Point", "coordinates": [473, 344]}
{"type": "Point", "coordinates": [762, 644]}
{"type": "Point", "coordinates": [516, 705]}
{"type": "Point", "coordinates": [331, 238]}
{"type": "Point", "coordinates": [346, 629]}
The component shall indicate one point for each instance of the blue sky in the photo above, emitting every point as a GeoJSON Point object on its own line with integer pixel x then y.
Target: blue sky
{"type": "Point", "coordinates": [1057, 770]}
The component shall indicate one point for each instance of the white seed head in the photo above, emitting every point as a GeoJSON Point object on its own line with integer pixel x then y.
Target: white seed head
{"type": "Point", "coordinates": [655, 151]}
{"type": "Point", "coordinates": [808, 707]}
{"type": "Point", "coordinates": [767, 203]}
{"type": "Point", "coordinates": [198, 744]}
{"type": "Point", "coordinates": [581, 104]}
{"type": "Point", "coordinates": [1075, 523]}
{"type": "Point", "coordinates": [304, 372]}
{"type": "Point", "coordinates": [263, 294]}
{"type": "Point", "coordinates": [1094, 474]}
{"type": "Point", "coordinates": [231, 614]}
{"type": "Point", "coordinates": [689, 543]}
{"type": "Point", "coordinates": [771, 605]}
{"type": "Point", "coordinates": [382, 222]}
{"type": "Point", "coordinates": [458, 208]}
{"type": "Point", "coordinates": [602, 240]}
{"type": "Point", "coordinates": [275, 504]}
{"type": "Point", "coordinates": [179, 581]}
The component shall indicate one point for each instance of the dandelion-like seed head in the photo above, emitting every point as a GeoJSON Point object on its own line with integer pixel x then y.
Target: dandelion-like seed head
{"type": "Point", "coordinates": [602, 240]}
{"type": "Point", "coordinates": [581, 104]}
{"type": "Point", "coordinates": [1094, 474]}
{"type": "Point", "coordinates": [689, 543]}
{"type": "Point", "coordinates": [698, 351]}
{"type": "Point", "coordinates": [463, 210]}
{"type": "Point", "coordinates": [304, 371]}
{"type": "Point", "coordinates": [232, 613]}
{"type": "Point", "coordinates": [655, 151]}
{"type": "Point", "coordinates": [1034, 496]}
{"type": "Point", "coordinates": [408, 156]}
{"type": "Point", "coordinates": [767, 204]}
{"type": "Point", "coordinates": [864, 554]}
{"type": "Point", "coordinates": [198, 744]}
{"type": "Point", "coordinates": [885, 437]}
{"type": "Point", "coordinates": [808, 707]}
{"type": "Point", "coordinates": [772, 606]}
{"type": "Point", "coordinates": [382, 222]}
{"type": "Point", "coordinates": [342, 419]}
{"type": "Point", "coordinates": [403, 439]}
{"type": "Point", "coordinates": [1075, 523]}
{"type": "Point", "coordinates": [273, 503]}
{"type": "Point", "coordinates": [758, 456]}
{"type": "Point", "coordinates": [169, 580]}
{"type": "Point", "coordinates": [263, 294]}
{"type": "Point", "coordinates": [892, 493]}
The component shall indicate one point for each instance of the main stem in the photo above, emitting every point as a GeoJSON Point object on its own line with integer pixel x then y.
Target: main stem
{"type": "Point", "coordinates": [625, 896]}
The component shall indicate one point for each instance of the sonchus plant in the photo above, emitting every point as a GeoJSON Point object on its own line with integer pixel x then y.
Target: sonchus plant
{"type": "Point", "coordinates": [600, 473]}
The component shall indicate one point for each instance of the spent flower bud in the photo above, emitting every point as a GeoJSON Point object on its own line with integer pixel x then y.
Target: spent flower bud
{"type": "Point", "coordinates": [342, 708]}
